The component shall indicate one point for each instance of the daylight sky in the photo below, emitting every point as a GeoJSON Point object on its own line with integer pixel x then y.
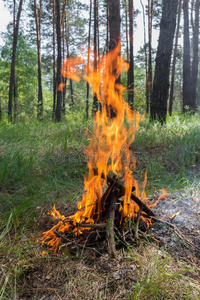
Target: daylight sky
{"type": "Point", "coordinates": [5, 18]}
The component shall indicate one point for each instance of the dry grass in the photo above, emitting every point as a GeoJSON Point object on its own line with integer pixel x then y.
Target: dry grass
{"type": "Point", "coordinates": [144, 272]}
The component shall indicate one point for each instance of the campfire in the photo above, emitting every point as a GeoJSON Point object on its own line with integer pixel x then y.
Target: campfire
{"type": "Point", "coordinates": [112, 206]}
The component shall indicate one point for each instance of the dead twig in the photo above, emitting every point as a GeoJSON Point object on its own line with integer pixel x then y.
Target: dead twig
{"type": "Point", "coordinates": [96, 226]}
{"type": "Point", "coordinates": [77, 245]}
{"type": "Point", "coordinates": [137, 223]}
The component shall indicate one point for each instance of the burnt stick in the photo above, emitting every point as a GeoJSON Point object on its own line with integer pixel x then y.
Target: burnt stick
{"type": "Point", "coordinates": [139, 202]}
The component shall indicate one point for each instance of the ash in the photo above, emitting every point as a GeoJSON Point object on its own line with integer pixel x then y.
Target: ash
{"type": "Point", "coordinates": [187, 222]}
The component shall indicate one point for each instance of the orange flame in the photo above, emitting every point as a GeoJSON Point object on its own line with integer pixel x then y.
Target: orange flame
{"type": "Point", "coordinates": [174, 215]}
{"type": "Point", "coordinates": [109, 148]}
{"type": "Point", "coordinates": [61, 87]}
{"type": "Point", "coordinates": [162, 196]}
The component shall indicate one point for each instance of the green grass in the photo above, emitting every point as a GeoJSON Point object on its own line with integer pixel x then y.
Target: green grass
{"type": "Point", "coordinates": [169, 151]}
{"type": "Point", "coordinates": [42, 163]}
{"type": "Point", "coordinates": [162, 278]}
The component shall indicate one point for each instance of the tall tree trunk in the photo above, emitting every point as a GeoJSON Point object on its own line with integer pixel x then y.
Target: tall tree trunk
{"type": "Point", "coordinates": [63, 78]}
{"type": "Point", "coordinates": [114, 21]}
{"type": "Point", "coordinates": [59, 62]}
{"type": "Point", "coordinates": [0, 111]}
{"type": "Point", "coordinates": [195, 62]}
{"type": "Point", "coordinates": [107, 26]}
{"type": "Point", "coordinates": [63, 13]}
{"type": "Point", "coordinates": [38, 31]}
{"type": "Point", "coordinates": [127, 40]}
{"type": "Point", "coordinates": [12, 92]}
{"type": "Point", "coordinates": [163, 58]}
{"type": "Point", "coordinates": [98, 38]}
{"type": "Point", "coordinates": [88, 62]}
{"type": "Point", "coordinates": [174, 60]}
{"type": "Point", "coordinates": [186, 59]}
{"type": "Point", "coordinates": [131, 62]}
{"type": "Point", "coordinates": [64, 35]}
{"type": "Point", "coordinates": [145, 56]}
{"type": "Point", "coordinates": [54, 61]}
{"type": "Point", "coordinates": [15, 81]}
{"type": "Point", "coordinates": [70, 80]}
{"type": "Point", "coordinates": [95, 100]}
{"type": "Point", "coordinates": [114, 24]}
{"type": "Point", "coordinates": [149, 81]}
{"type": "Point", "coordinates": [191, 14]}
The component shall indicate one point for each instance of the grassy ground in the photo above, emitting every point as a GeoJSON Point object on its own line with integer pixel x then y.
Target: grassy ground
{"type": "Point", "coordinates": [42, 164]}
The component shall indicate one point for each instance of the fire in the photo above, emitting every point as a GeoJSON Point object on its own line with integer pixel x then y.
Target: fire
{"type": "Point", "coordinates": [174, 215]}
{"type": "Point", "coordinates": [108, 150]}
{"type": "Point", "coordinates": [162, 196]}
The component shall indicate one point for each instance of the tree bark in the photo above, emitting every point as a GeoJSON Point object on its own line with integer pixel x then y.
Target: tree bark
{"type": "Point", "coordinates": [127, 41]}
{"type": "Point", "coordinates": [174, 60]}
{"type": "Point", "coordinates": [95, 100]}
{"type": "Point", "coordinates": [186, 59]}
{"type": "Point", "coordinates": [149, 76]}
{"type": "Point", "coordinates": [63, 55]}
{"type": "Point", "coordinates": [70, 80]}
{"type": "Point", "coordinates": [54, 61]}
{"type": "Point", "coordinates": [12, 89]}
{"type": "Point", "coordinates": [107, 27]}
{"type": "Point", "coordinates": [15, 83]}
{"type": "Point", "coordinates": [131, 62]}
{"type": "Point", "coordinates": [114, 26]}
{"type": "Point", "coordinates": [0, 111]}
{"type": "Point", "coordinates": [163, 58]}
{"type": "Point", "coordinates": [114, 21]}
{"type": "Point", "coordinates": [88, 62]}
{"type": "Point", "coordinates": [145, 56]}
{"type": "Point", "coordinates": [38, 31]}
{"type": "Point", "coordinates": [195, 62]}
{"type": "Point", "coordinates": [59, 63]}
{"type": "Point", "coordinates": [63, 13]}
{"type": "Point", "coordinates": [64, 35]}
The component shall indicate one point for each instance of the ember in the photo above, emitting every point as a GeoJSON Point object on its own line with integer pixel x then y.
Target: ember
{"type": "Point", "coordinates": [174, 215]}
{"type": "Point", "coordinates": [107, 202]}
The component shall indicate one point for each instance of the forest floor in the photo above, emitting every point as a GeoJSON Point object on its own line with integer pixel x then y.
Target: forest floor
{"type": "Point", "coordinates": [43, 163]}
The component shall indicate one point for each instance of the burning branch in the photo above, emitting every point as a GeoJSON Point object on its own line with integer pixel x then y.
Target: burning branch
{"type": "Point", "coordinates": [122, 189]}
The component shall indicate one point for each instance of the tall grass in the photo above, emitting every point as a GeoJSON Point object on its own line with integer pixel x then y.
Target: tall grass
{"type": "Point", "coordinates": [169, 151]}
{"type": "Point", "coordinates": [40, 163]}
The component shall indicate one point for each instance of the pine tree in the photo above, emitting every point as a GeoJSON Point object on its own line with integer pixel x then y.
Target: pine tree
{"type": "Point", "coordinates": [12, 86]}
{"type": "Point", "coordinates": [163, 59]}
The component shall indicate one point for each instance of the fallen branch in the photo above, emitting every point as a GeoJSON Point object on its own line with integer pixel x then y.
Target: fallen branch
{"type": "Point", "coordinates": [137, 224]}
{"type": "Point", "coordinates": [96, 226]}
{"type": "Point", "coordinates": [110, 226]}
{"type": "Point", "coordinates": [122, 189]}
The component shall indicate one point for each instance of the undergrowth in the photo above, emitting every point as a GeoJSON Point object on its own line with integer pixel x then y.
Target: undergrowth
{"type": "Point", "coordinates": [42, 163]}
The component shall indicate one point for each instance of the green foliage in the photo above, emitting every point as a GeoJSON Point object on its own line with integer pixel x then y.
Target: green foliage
{"type": "Point", "coordinates": [25, 72]}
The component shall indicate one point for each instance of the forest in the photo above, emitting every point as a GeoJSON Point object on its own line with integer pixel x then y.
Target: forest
{"type": "Point", "coordinates": [100, 150]}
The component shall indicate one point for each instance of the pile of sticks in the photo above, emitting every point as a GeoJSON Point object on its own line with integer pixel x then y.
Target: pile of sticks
{"type": "Point", "coordinates": [107, 232]}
